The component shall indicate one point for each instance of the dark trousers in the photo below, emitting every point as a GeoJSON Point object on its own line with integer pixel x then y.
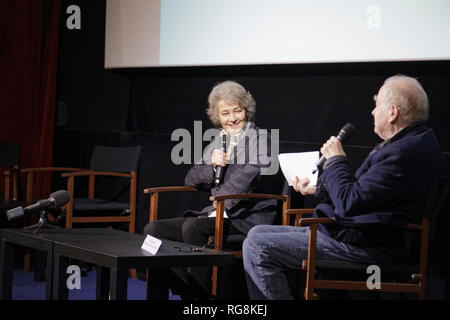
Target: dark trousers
{"type": "Point", "coordinates": [191, 230]}
{"type": "Point", "coordinates": [190, 283]}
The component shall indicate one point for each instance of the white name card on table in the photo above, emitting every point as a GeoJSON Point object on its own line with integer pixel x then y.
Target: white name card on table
{"type": "Point", "coordinates": [151, 244]}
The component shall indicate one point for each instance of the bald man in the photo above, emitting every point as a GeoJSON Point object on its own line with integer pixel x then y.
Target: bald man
{"type": "Point", "coordinates": [387, 191]}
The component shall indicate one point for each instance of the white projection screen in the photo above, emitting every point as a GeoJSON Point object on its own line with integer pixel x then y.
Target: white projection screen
{"type": "Point", "coordinates": [161, 33]}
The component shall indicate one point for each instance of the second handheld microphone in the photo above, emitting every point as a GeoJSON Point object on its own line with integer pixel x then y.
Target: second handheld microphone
{"type": "Point", "coordinates": [343, 135]}
{"type": "Point", "coordinates": [220, 171]}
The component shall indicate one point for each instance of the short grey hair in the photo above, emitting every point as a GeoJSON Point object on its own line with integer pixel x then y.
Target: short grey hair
{"type": "Point", "coordinates": [409, 96]}
{"type": "Point", "coordinates": [230, 91]}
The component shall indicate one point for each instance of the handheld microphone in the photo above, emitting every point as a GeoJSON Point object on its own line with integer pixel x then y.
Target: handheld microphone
{"type": "Point", "coordinates": [220, 171]}
{"type": "Point", "coordinates": [56, 200]}
{"type": "Point", "coordinates": [343, 135]}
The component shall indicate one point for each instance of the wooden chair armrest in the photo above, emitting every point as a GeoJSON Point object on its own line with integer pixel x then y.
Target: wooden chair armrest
{"type": "Point", "coordinates": [409, 226]}
{"type": "Point", "coordinates": [92, 174]}
{"type": "Point", "coordinates": [412, 226]}
{"type": "Point", "coordinates": [315, 220]}
{"type": "Point", "coordinates": [250, 195]}
{"type": "Point", "coordinates": [154, 195]}
{"type": "Point", "coordinates": [300, 211]}
{"type": "Point", "coordinates": [95, 173]}
{"type": "Point", "coordinates": [169, 189]}
{"type": "Point", "coordinates": [50, 169]}
{"type": "Point", "coordinates": [30, 172]}
{"type": "Point", "coordinates": [10, 171]}
{"type": "Point", "coordinates": [218, 234]}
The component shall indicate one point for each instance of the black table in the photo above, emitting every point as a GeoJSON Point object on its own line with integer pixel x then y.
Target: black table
{"type": "Point", "coordinates": [116, 256]}
{"type": "Point", "coordinates": [43, 240]}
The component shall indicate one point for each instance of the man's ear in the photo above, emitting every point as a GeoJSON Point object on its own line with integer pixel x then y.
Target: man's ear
{"type": "Point", "coordinates": [394, 113]}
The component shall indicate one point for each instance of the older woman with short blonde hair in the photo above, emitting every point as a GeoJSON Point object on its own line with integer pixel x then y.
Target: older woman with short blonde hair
{"type": "Point", "coordinates": [230, 91]}
{"type": "Point", "coordinates": [232, 110]}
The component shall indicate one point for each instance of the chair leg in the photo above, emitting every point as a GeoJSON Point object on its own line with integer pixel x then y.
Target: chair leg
{"type": "Point", "coordinates": [311, 296]}
{"type": "Point", "coordinates": [422, 292]}
{"type": "Point", "coordinates": [27, 256]}
{"type": "Point", "coordinates": [27, 262]}
{"type": "Point", "coordinates": [310, 273]}
{"type": "Point", "coordinates": [214, 282]}
{"type": "Point", "coordinates": [133, 273]}
{"type": "Point", "coordinates": [146, 285]}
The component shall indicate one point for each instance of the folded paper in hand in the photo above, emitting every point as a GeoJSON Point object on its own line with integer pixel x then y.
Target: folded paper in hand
{"type": "Point", "coordinates": [299, 164]}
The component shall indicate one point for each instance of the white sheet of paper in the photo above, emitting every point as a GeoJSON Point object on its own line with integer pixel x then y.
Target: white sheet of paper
{"type": "Point", "coordinates": [151, 244]}
{"type": "Point", "coordinates": [300, 164]}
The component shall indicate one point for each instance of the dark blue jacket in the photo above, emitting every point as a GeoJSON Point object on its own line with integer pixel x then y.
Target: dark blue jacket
{"type": "Point", "coordinates": [388, 190]}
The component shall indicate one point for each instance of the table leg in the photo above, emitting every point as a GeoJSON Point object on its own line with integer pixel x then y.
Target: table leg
{"type": "Point", "coordinates": [40, 258]}
{"type": "Point", "coordinates": [60, 264]}
{"type": "Point", "coordinates": [158, 286]}
{"type": "Point", "coordinates": [118, 283]}
{"type": "Point", "coordinates": [49, 275]}
{"type": "Point", "coordinates": [103, 276]}
{"type": "Point", "coordinates": [223, 275]}
{"type": "Point", "coordinates": [6, 269]}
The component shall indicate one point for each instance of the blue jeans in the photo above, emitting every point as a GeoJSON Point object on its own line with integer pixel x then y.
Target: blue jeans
{"type": "Point", "coordinates": [270, 252]}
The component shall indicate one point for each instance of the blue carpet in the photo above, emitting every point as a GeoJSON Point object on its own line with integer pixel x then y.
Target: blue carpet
{"type": "Point", "coordinates": [25, 288]}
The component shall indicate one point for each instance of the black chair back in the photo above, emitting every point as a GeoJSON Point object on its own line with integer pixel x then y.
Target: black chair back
{"type": "Point", "coordinates": [115, 159]}
{"type": "Point", "coordinates": [9, 154]}
{"type": "Point", "coordinates": [9, 179]}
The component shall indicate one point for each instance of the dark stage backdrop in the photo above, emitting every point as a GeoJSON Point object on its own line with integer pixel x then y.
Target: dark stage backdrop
{"type": "Point", "coordinates": [89, 97]}
{"type": "Point", "coordinates": [304, 108]}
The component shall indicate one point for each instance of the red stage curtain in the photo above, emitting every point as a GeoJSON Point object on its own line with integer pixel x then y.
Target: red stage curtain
{"type": "Point", "coordinates": [28, 60]}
